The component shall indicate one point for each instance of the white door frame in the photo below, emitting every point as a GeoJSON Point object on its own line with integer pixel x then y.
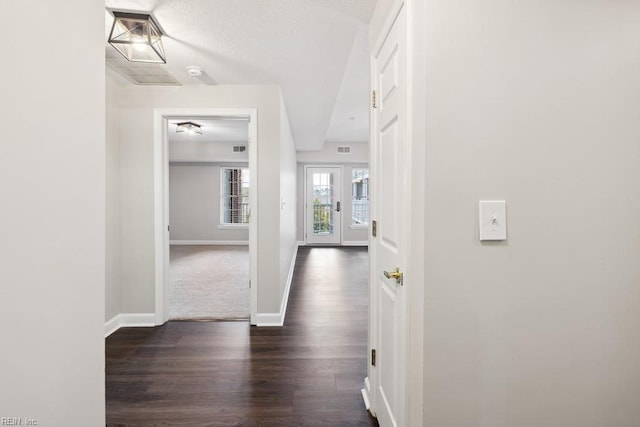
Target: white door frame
{"type": "Point", "coordinates": [161, 200]}
{"type": "Point", "coordinates": [415, 268]}
{"type": "Point", "coordinates": [340, 197]}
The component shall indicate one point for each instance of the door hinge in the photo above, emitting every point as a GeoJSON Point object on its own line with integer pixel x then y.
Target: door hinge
{"type": "Point", "coordinates": [168, 228]}
{"type": "Point", "coordinates": [373, 99]}
{"type": "Point", "coordinates": [249, 284]}
{"type": "Point", "coordinates": [373, 357]}
{"type": "Point", "coordinates": [374, 228]}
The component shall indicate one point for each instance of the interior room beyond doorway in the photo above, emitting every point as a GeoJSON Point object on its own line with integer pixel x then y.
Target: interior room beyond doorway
{"type": "Point", "coordinates": [209, 213]}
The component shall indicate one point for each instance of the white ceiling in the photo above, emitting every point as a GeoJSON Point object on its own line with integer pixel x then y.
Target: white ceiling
{"type": "Point", "coordinates": [315, 50]}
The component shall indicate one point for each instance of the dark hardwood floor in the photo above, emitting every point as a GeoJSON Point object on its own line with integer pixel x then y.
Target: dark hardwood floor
{"type": "Point", "coordinates": [307, 373]}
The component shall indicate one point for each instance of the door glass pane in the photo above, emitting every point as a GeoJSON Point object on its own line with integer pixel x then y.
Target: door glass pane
{"type": "Point", "coordinates": [323, 200]}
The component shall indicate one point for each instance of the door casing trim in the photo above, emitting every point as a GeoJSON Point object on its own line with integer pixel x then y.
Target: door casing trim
{"type": "Point", "coordinates": [161, 199]}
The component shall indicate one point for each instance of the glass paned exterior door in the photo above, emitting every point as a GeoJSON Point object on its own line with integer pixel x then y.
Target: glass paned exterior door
{"type": "Point", "coordinates": [323, 206]}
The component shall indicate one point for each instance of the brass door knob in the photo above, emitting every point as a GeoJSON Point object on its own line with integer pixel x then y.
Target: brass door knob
{"type": "Point", "coordinates": [396, 274]}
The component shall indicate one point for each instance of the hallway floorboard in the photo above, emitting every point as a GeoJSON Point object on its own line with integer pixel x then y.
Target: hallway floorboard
{"type": "Point", "coordinates": [307, 373]}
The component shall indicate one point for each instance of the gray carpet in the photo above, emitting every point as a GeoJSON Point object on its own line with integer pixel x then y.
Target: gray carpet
{"type": "Point", "coordinates": [209, 282]}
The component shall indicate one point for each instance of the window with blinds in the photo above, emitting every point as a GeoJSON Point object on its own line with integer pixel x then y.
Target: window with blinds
{"type": "Point", "coordinates": [360, 197]}
{"type": "Point", "coordinates": [235, 196]}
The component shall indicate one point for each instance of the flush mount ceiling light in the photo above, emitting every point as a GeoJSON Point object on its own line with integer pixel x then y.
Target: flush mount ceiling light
{"type": "Point", "coordinates": [137, 37]}
{"type": "Point", "coordinates": [189, 127]}
{"type": "Point", "coordinates": [194, 71]}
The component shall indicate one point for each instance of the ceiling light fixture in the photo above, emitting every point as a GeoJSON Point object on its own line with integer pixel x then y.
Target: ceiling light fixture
{"type": "Point", "coordinates": [189, 128]}
{"type": "Point", "coordinates": [137, 37]}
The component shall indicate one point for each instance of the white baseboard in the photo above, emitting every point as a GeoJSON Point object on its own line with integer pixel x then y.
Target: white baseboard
{"type": "Point", "coordinates": [112, 325]}
{"type": "Point", "coordinates": [344, 243]}
{"type": "Point", "coordinates": [287, 289]}
{"type": "Point", "coordinates": [209, 242]}
{"type": "Point", "coordinates": [277, 319]}
{"type": "Point", "coordinates": [365, 395]}
{"type": "Point", "coordinates": [355, 243]}
{"type": "Point", "coordinates": [125, 320]}
{"type": "Point", "coordinates": [269, 319]}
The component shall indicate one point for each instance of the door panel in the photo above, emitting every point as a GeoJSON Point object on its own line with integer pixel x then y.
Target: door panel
{"type": "Point", "coordinates": [389, 246]}
{"type": "Point", "coordinates": [323, 205]}
{"type": "Point", "coordinates": [388, 213]}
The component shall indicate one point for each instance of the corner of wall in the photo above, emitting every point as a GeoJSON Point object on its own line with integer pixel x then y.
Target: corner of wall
{"type": "Point", "coordinates": [277, 319]}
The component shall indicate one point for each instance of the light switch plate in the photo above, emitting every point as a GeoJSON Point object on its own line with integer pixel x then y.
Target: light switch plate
{"type": "Point", "coordinates": [493, 220]}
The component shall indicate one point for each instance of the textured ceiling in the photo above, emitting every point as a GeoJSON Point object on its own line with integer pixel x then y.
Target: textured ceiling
{"type": "Point", "coordinates": [315, 50]}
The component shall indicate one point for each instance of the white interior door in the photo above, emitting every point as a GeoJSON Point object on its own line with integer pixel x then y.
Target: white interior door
{"type": "Point", "coordinates": [390, 168]}
{"type": "Point", "coordinates": [323, 205]}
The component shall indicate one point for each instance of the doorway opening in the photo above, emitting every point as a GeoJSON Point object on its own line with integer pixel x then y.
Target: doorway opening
{"type": "Point", "coordinates": [206, 215]}
{"type": "Point", "coordinates": [209, 183]}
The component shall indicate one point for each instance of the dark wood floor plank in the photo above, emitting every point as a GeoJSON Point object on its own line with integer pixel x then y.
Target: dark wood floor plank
{"type": "Point", "coordinates": [306, 374]}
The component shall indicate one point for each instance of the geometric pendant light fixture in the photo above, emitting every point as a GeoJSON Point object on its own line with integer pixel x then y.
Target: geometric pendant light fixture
{"type": "Point", "coordinates": [137, 37]}
{"type": "Point", "coordinates": [189, 127]}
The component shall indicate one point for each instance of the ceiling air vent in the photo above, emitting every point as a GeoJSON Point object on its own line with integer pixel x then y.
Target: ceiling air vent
{"type": "Point", "coordinates": [344, 149]}
{"type": "Point", "coordinates": [140, 73]}
{"type": "Point", "coordinates": [239, 148]}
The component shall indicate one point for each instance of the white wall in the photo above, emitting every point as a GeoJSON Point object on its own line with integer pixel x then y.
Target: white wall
{"type": "Point", "coordinates": [206, 151]}
{"type": "Point", "coordinates": [52, 187]}
{"type": "Point", "coordinates": [112, 272]}
{"type": "Point", "coordinates": [537, 103]}
{"type": "Point", "coordinates": [358, 158]}
{"type": "Point", "coordinates": [194, 204]}
{"type": "Point", "coordinates": [136, 115]}
{"type": "Point", "coordinates": [288, 197]}
{"type": "Point", "coordinates": [329, 153]}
